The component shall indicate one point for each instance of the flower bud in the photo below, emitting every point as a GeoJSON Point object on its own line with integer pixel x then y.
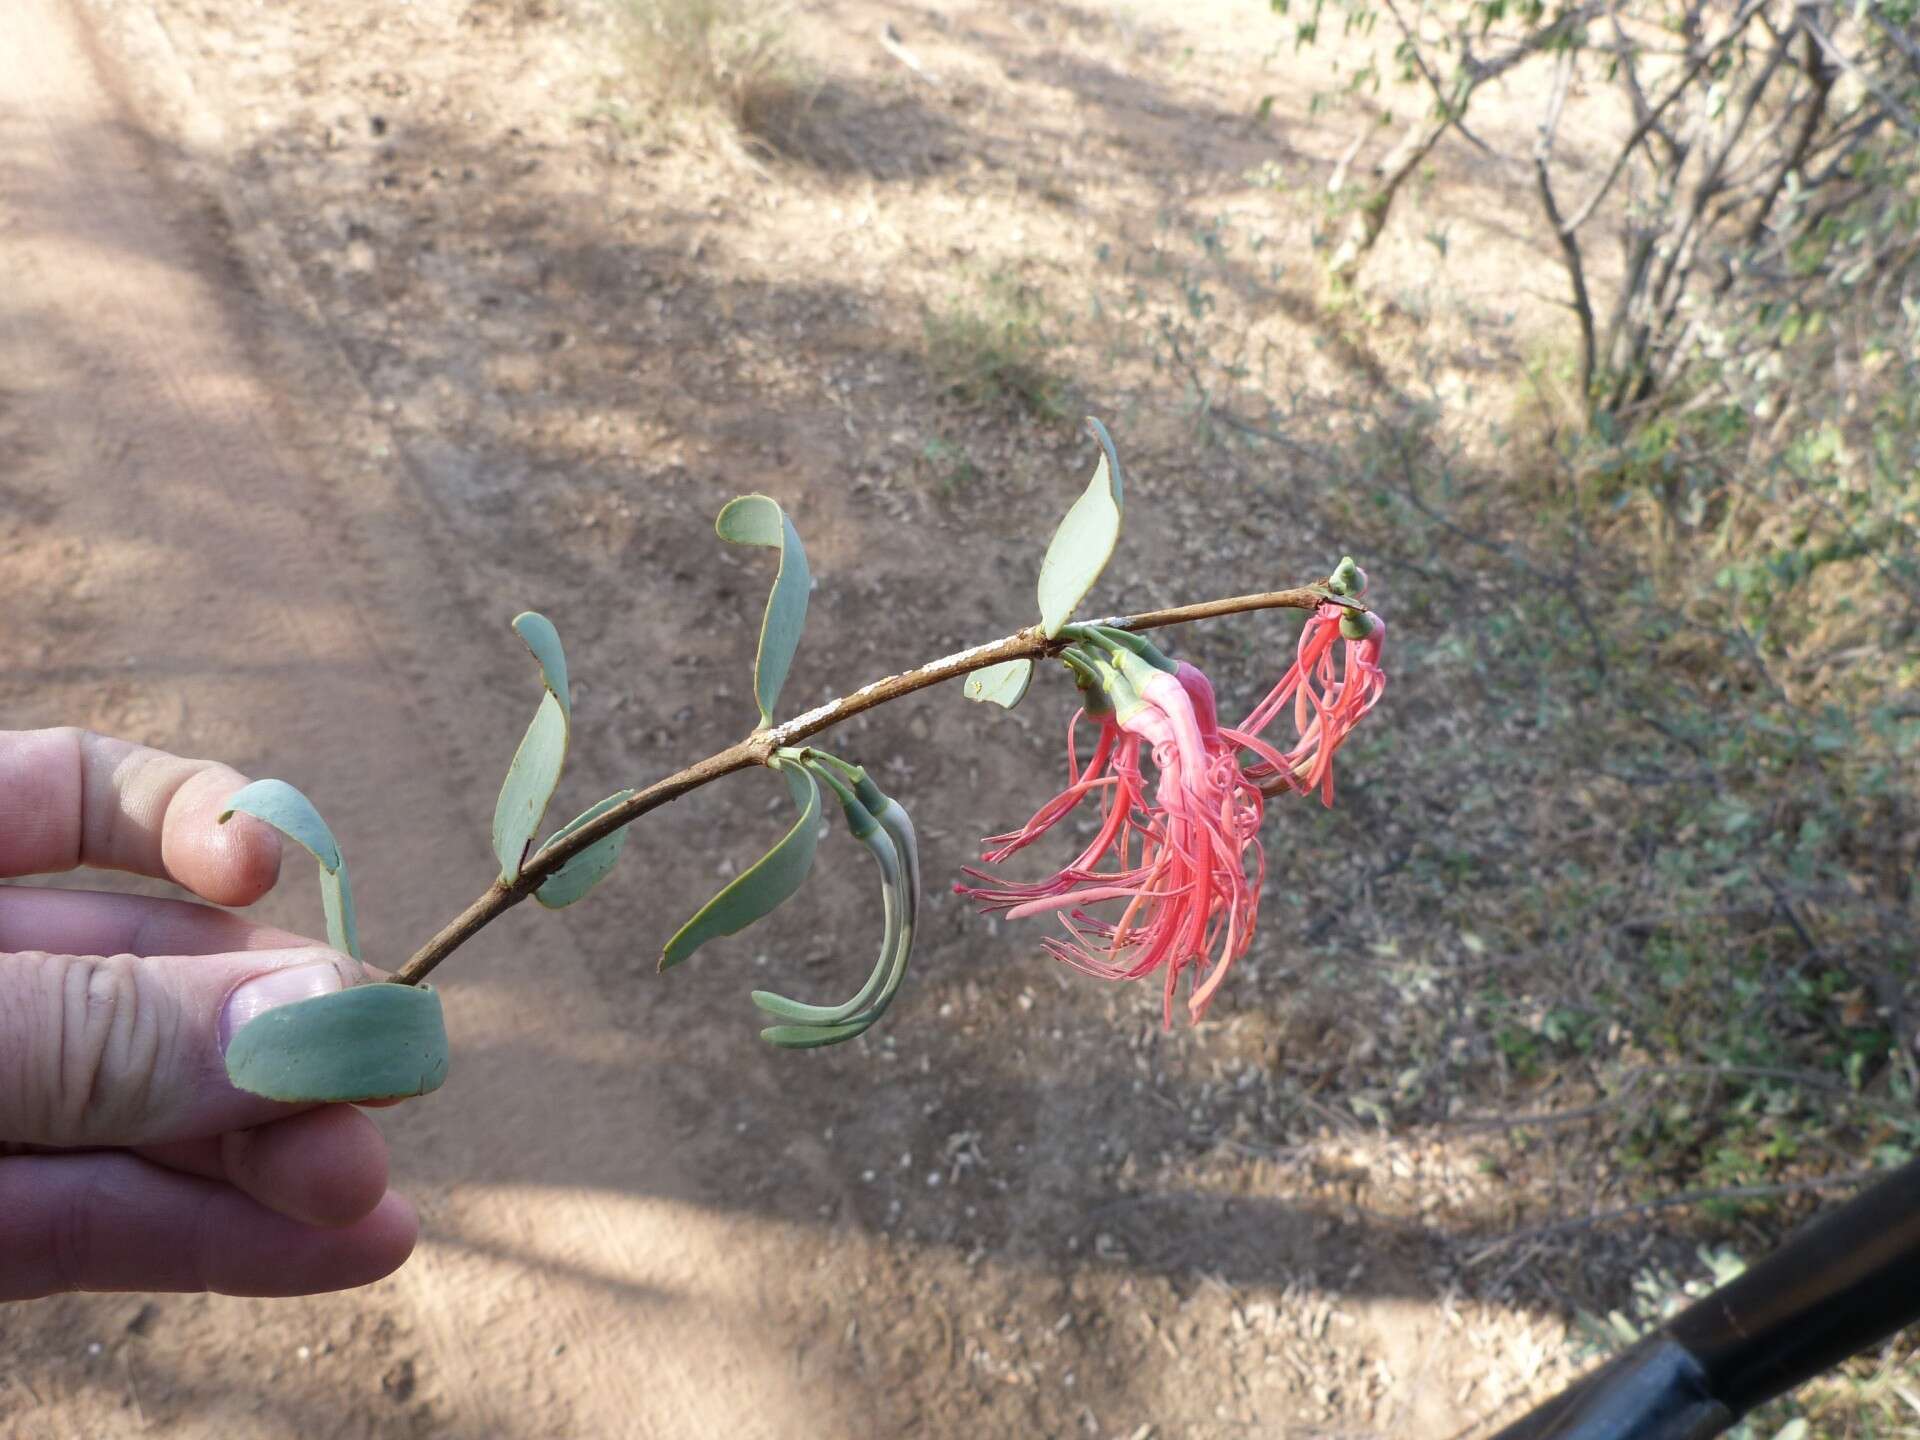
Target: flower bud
{"type": "Point", "coordinates": [1357, 624]}
{"type": "Point", "coordinates": [1348, 579]}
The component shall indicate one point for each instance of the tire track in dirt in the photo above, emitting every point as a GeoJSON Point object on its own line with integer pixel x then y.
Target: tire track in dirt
{"type": "Point", "coordinates": [206, 544]}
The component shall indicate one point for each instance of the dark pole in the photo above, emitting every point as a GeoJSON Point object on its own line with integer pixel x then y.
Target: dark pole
{"type": "Point", "coordinates": [1848, 1280]}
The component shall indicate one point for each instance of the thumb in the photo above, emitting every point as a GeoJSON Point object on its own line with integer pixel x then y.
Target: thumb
{"type": "Point", "coordinates": [130, 1049]}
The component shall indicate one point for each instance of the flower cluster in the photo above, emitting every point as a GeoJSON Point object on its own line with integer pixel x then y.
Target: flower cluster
{"type": "Point", "coordinates": [1176, 864]}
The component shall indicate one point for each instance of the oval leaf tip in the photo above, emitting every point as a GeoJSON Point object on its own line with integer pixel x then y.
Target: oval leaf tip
{"type": "Point", "coordinates": [1084, 541]}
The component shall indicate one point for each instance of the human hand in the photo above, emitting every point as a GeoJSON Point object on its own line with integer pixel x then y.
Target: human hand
{"type": "Point", "coordinates": [127, 1160]}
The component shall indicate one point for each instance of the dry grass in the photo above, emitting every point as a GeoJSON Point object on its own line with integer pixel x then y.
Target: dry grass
{"type": "Point", "coordinates": [994, 347]}
{"type": "Point", "coordinates": [695, 59]}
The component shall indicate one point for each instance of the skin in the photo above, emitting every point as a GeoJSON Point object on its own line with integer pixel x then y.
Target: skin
{"type": "Point", "coordinates": [127, 1162]}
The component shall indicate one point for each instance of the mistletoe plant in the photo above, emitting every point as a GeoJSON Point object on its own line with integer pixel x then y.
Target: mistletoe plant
{"type": "Point", "coordinates": [1169, 883]}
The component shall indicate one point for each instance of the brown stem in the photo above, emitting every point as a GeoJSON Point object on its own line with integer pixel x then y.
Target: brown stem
{"type": "Point", "coordinates": [758, 748]}
{"type": "Point", "coordinates": [1563, 232]}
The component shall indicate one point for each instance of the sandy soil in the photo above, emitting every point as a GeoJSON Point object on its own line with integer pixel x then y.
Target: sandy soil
{"type": "Point", "coordinates": [334, 334]}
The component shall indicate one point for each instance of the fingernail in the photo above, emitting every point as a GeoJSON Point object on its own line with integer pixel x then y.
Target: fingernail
{"type": "Point", "coordinates": [273, 989]}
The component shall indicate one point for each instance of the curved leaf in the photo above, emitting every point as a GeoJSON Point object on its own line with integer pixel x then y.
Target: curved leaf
{"type": "Point", "coordinates": [336, 903]}
{"type": "Point", "coordinates": [1084, 543]}
{"type": "Point", "coordinates": [816, 1026]}
{"type": "Point", "coordinates": [590, 866]}
{"type": "Point", "coordinates": [289, 812]}
{"type": "Point", "coordinates": [293, 815]}
{"type": "Point", "coordinates": [1003, 684]}
{"type": "Point", "coordinates": [812, 1037]}
{"type": "Point", "coordinates": [899, 825]}
{"type": "Point", "coordinates": [372, 1042]}
{"type": "Point", "coordinates": [542, 753]}
{"type": "Point", "coordinates": [529, 785]}
{"type": "Point", "coordinates": [892, 878]}
{"type": "Point", "coordinates": [758, 891]}
{"type": "Point", "coordinates": [896, 822]}
{"type": "Point", "coordinates": [759, 520]}
{"type": "Point", "coordinates": [544, 641]}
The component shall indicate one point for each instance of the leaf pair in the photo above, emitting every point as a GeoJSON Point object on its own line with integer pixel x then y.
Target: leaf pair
{"type": "Point", "coordinates": [1078, 552]}
{"type": "Point", "coordinates": [378, 1041]}
{"type": "Point", "coordinates": [534, 774]}
{"type": "Point", "coordinates": [882, 825]}
{"type": "Point", "coordinates": [879, 823]}
{"type": "Point", "coordinates": [370, 1042]}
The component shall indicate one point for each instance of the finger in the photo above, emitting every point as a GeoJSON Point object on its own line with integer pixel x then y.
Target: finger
{"type": "Point", "coordinates": [69, 797]}
{"type": "Point", "coordinates": [323, 1167]}
{"type": "Point", "coordinates": [86, 922]}
{"type": "Point", "coordinates": [131, 1049]}
{"type": "Point", "coordinates": [116, 1222]}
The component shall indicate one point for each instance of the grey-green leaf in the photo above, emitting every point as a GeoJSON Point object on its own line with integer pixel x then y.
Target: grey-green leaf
{"type": "Point", "coordinates": [758, 891]}
{"type": "Point", "coordinates": [289, 812]}
{"type": "Point", "coordinates": [336, 902]}
{"type": "Point", "coordinates": [813, 1037]}
{"type": "Point", "coordinates": [293, 815]}
{"type": "Point", "coordinates": [759, 520]}
{"type": "Point", "coordinates": [536, 766]}
{"type": "Point", "coordinates": [1002, 684]}
{"type": "Point", "coordinates": [590, 866]}
{"type": "Point", "coordinates": [892, 911]}
{"type": "Point", "coordinates": [815, 1027]}
{"type": "Point", "coordinates": [1084, 543]}
{"type": "Point", "coordinates": [529, 785]}
{"type": "Point", "coordinates": [544, 641]}
{"type": "Point", "coordinates": [372, 1042]}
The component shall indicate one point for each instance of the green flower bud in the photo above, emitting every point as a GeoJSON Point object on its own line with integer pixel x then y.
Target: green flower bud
{"type": "Point", "coordinates": [1348, 579]}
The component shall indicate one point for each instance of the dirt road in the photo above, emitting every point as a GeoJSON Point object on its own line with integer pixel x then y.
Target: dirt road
{"type": "Point", "coordinates": [199, 553]}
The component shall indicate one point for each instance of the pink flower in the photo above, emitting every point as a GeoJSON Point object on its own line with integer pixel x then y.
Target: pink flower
{"type": "Point", "coordinates": [1184, 868]}
{"type": "Point", "coordinates": [1328, 701]}
{"type": "Point", "coordinates": [1177, 872]}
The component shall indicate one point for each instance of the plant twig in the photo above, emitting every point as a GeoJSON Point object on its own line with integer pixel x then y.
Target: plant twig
{"type": "Point", "coordinates": [1569, 244]}
{"type": "Point", "coordinates": [1896, 112]}
{"type": "Point", "coordinates": [1652, 116]}
{"type": "Point", "coordinates": [758, 747]}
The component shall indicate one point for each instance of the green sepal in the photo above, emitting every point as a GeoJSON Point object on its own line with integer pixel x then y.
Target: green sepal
{"type": "Point", "coordinates": [590, 866]}
{"type": "Point", "coordinates": [760, 889]}
{"type": "Point", "coordinates": [293, 815]}
{"type": "Point", "coordinates": [1004, 684]}
{"type": "Point", "coordinates": [1084, 542]}
{"type": "Point", "coordinates": [1093, 695]}
{"type": "Point", "coordinates": [542, 753]}
{"type": "Point", "coordinates": [1113, 638]}
{"type": "Point", "coordinates": [370, 1042]}
{"type": "Point", "coordinates": [1113, 671]}
{"type": "Point", "coordinates": [759, 520]}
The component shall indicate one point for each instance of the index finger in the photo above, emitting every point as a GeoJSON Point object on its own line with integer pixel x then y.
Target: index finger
{"type": "Point", "coordinates": [69, 797]}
